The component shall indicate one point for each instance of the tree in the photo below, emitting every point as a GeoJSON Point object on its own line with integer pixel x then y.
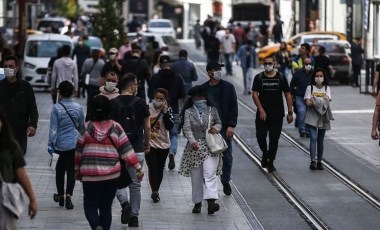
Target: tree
{"type": "Point", "coordinates": [67, 8]}
{"type": "Point", "coordinates": [107, 24]}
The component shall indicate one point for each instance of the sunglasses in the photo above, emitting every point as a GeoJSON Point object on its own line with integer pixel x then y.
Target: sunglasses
{"type": "Point", "coordinates": [268, 63]}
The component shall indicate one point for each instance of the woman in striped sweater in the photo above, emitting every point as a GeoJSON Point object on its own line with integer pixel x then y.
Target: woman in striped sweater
{"type": "Point", "coordinates": [101, 143]}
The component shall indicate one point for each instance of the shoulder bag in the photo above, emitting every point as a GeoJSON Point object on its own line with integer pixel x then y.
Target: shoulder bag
{"type": "Point", "coordinates": [14, 197]}
{"type": "Point", "coordinates": [214, 141]}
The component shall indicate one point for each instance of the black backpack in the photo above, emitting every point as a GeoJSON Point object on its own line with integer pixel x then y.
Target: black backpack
{"type": "Point", "coordinates": [127, 119]}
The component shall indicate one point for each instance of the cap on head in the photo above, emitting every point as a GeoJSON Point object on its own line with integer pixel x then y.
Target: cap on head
{"type": "Point", "coordinates": [113, 50]}
{"type": "Point", "coordinates": [165, 59]}
{"type": "Point", "coordinates": [197, 90]}
{"type": "Point", "coordinates": [213, 65]}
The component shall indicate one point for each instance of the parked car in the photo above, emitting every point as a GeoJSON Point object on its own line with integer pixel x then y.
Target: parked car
{"type": "Point", "coordinates": [293, 42]}
{"type": "Point", "coordinates": [339, 59]}
{"type": "Point", "coordinates": [52, 25]}
{"type": "Point", "coordinates": [161, 26]}
{"type": "Point", "coordinates": [168, 45]}
{"type": "Point", "coordinates": [312, 39]}
{"type": "Point", "coordinates": [37, 53]}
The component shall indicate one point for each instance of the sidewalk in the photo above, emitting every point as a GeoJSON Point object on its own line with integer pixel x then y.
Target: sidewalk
{"type": "Point", "coordinates": [172, 212]}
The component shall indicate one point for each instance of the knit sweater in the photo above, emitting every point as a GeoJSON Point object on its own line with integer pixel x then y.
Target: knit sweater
{"type": "Point", "coordinates": [96, 157]}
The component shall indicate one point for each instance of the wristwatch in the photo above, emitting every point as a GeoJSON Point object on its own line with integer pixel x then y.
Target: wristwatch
{"type": "Point", "coordinates": [290, 113]}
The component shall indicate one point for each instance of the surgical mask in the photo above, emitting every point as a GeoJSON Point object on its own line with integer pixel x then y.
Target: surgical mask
{"type": "Point", "coordinates": [218, 75]}
{"type": "Point", "coordinates": [110, 86]}
{"type": "Point", "coordinates": [201, 105]}
{"type": "Point", "coordinates": [9, 73]}
{"type": "Point", "coordinates": [112, 57]}
{"type": "Point", "coordinates": [80, 42]}
{"type": "Point", "coordinates": [157, 104]}
{"type": "Point", "coordinates": [319, 80]}
{"type": "Point", "coordinates": [268, 68]}
{"type": "Point", "coordinates": [308, 67]}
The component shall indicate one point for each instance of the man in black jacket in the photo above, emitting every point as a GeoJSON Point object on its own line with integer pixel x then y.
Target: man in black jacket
{"type": "Point", "coordinates": [18, 100]}
{"type": "Point", "coordinates": [222, 95]}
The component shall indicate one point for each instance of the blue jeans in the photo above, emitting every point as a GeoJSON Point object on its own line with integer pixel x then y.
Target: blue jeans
{"type": "Point", "coordinates": [173, 133]}
{"type": "Point", "coordinates": [228, 61]}
{"type": "Point", "coordinates": [97, 202]}
{"type": "Point", "coordinates": [134, 189]}
{"type": "Point", "coordinates": [227, 159]}
{"type": "Point", "coordinates": [301, 114]}
{"type": "Point", "coordinates": [317, 137]}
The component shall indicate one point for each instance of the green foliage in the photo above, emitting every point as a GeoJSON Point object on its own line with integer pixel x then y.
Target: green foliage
{"type": "Point", "coordinates": [108, 23]}
{"type": "Point", "coordinates": [67, 8]}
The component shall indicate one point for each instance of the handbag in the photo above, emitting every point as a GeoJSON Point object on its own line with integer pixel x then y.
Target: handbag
{"type": "Point", "coordinates": [215, 142]}
{"type": "Point", "coordinates": [14, 197]}
{"type": "Point", "coordinates": [124, 179]}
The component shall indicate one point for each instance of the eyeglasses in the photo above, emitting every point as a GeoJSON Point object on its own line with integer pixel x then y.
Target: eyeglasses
{"type": "Point", "coordinates": [10, 66]}
{"type": "Point", "coordinates": [268, 63]}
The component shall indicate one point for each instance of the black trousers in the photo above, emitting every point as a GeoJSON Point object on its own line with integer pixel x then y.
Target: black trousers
{"type": "Point", "coordinates": [155, 160]}
{"type": "Point", "coordinates": [65, 164]}
{"type": "Point", "coordinates": [273, 126]}
{"type": "Point", "coordinates": [356, 73]}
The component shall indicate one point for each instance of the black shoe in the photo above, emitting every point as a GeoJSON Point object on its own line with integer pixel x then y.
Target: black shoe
{"type": "Point", "coordinates": [197, 207]}
{"type": "Point", "coordinates": [302, 134]}
{"type": "Point", "coordinates": [227, 188]}
{"type": "Point", "coordinates": [319, 166]}
{"type": "Point", "coordinates": [271, 167]}
{"type": "Point", "coordinates": [307, 135]}
{"type": "Point", "coordinates": [69, 204]}
{"type": "Point", "coordinates": [313, 166]}
{"type": "Point", "coordinates": [171, 164]}
{"type": "Point", "coordinates": [264, 160]}
{"type": "Point", "coordinates": [155, 197]}
{"type": "Point", "coordinates": [59, 199]}
{"type": "Point", "coordinates": [212, 206]}
{"type": "Point", "coordinates": [125, 212]}
{"type": "Point", "coordinates": [133, 222]}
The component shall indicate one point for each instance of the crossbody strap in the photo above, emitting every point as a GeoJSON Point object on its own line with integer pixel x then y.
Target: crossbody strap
{"type": "Point", "coordinates": [72, 119]}
{"type": "Point", "coordinates": [92, 67]}
{"type": "Point", "coordinates": [158, 117]}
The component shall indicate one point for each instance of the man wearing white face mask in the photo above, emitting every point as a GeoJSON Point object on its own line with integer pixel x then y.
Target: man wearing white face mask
{"type": "Point", "coordinates": [222, 95]}
{"type": "Point", "coordinates": [267, 91]}
{"type": "Point", "coordinates": [109, 88]}
{"type": "Point", "coordinates": [113, 64]}
{"type": "Point", "coordinates": [18, 100]}
{"type": "Point", "coordinates": [298, 85]}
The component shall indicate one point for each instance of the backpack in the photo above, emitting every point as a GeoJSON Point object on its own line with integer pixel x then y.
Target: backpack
{"type": "Point", "coordinates": [126, 118]}
{"type": "Point", "coordinates": [260, 76]}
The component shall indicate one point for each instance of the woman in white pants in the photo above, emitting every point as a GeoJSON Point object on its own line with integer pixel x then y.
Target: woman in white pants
{"type": "Point", "coordinates": [197, 161]}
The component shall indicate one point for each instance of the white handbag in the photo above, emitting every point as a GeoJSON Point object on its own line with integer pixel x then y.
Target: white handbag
{"type": "Point", "coordinates": [14, 197]}
{"type": "Point", "coordinates": [215, 142]}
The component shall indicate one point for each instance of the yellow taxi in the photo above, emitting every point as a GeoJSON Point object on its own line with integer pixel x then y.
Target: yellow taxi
{"type": "Point", "coordinates": [293, 42]}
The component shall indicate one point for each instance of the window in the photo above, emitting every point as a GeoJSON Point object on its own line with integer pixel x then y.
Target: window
{"type": "Point", "coordinates": [44, 48]}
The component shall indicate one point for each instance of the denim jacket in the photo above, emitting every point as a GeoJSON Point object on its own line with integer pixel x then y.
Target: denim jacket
{"type": "Point", "coordinates": [63, 134]}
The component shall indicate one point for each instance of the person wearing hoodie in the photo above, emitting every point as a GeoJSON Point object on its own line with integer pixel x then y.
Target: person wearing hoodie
{"type": "Point", "coordinates": [166, 78]}
{"type": "Point", "coordinates": [64, 69]}
{"type": "Point", "coordinates": [101, 144]}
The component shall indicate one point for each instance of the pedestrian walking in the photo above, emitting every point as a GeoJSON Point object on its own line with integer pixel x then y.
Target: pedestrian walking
{"type": "Point", "coordinates": [50, 71]}
{"type": "Point", "coordinates": [227, 107]}
{"type": "Point", "coordinates": [284, 60]}
{"type": "Point", "coordinates": [186, 70]}
{"type": "Point", "coordinates": [65, 119]}
{"type": "Point", "coordinates": [240, 35]}
{"type": "Point", "coordinates": [318, 116]}
{"type": "Point", "coordinates": [375, 120]}
{"type": "Point", "coordinates": [166, 78]}
{"type": "Point", "coordinates": [322, 61]}
{"type": "Point", "coordinates": [18, 100]}
{"type": "Point", "coordinates": [197, 162]}
{"type": "Point", "coordinates": [267, 94]}
{"type": "Point", "coordinates": [246, 55]}
{"type": "Point", "coordinates": [132, 113]}
{"type": "Point", "coordinates": [109, 88]}
{"type": "Point", "coordinates": [277, 31]}
{"type": "Point", "coordinates": [12, 169]}
{"type": "Point", "coordinates": [113, 64]}
{"type": "Point", "coordinates": [93, 68]}
{"type": "Point", "coordinates": [228, 48]}
{"type": "Point", "coordinates": [197, 28]}
{"type": "Point", "coordinates": [101, 145]}
{"type": "Point", "coordinates": [160, 122]}
{"type": "Point", "coordinates": [64, 69]}
{"type": "Point", "coordinates": [357, 60]}
{"type": "Point", "coordinates": [298, 85]}
{"type": "Point", "coordinates": [81, 52]}
{"type": "Point", "coordinates": [125, 50]}
{"type": "Point", "coordinates": [303, 52]}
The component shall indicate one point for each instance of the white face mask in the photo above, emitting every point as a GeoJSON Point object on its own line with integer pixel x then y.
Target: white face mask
{"type": "Point", "coordinates": [268, 68]}
{"type": "Point", "coordinates": [308, 67]}
{"type": "Point", "coordinates": [157, 104]}
{"type": "Point", "coordinates": [319, 80]}
{"type": "Point", "coordinates": [9, 73]}
{"type": "Point", "coordinates": [110, 86]}
{"type": "Point", "coordinates": [112, 57]}
{"type": "Point", "coordinates": [217, 75]}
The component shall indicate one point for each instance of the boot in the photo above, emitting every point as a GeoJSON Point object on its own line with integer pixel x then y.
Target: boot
{"type": "Point", "coordinates": [69, 204]}
{"type": "Point", "coordinates": [212, 206]}
{"type": "Point", "coordinates": [197, 207]}
{"type": "Point", "coordinates": [264, 160]}
{"type": "Point", "coordinates": [59, 199]}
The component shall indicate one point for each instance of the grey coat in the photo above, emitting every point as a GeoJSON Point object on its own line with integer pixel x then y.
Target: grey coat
{"type": "Point", "coordinates": [320, 115]}
{"type": "Point", "coordinates": [194, 128]}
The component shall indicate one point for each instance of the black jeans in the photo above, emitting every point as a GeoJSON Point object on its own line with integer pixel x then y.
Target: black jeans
{"type": "Point", "coordinates": [273, 125]}
{"type": "Point", "coordinates": [356, 73]}
{"type": "Point", "coordinates": [65, 164]}
{"type": "Point", "coordinates": [155, 160]}
{"type": "Point", "coordinates": [92, 91]}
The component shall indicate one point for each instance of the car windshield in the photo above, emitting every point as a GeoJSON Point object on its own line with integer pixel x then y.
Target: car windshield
{"type": "Point", "coordinates": [95, 43]}
{"type": "Point", "coordinates": [334, 48]}
{"type": "Point", "coordinates": [44, 48]}
{"type": "Point", "coordinates": [160, 24]}
{"type": "Point", "coordinates": [169, 40]}
{"type": "Point", "coordinates": [54, 24]}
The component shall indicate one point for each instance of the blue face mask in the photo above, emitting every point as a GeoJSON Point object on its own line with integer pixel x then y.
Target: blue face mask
{"type": "Point", "coordinates": [201, 105]}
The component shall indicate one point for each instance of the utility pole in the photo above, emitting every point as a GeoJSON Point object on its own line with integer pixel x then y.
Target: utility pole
{"type": "Point", "coordinates": [349, 20]}
{"type": "Point", "coordinates": [21, 27]}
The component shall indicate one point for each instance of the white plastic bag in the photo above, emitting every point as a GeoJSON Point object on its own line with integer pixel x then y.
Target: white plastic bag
{"type": "Point", "coordinates": [53, 161]}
